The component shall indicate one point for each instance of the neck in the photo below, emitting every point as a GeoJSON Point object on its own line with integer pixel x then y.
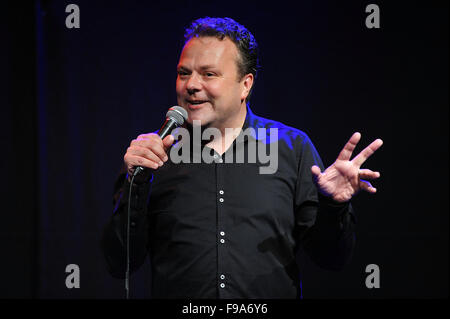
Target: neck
{"type": "Point", "coordinates": [229, 131]}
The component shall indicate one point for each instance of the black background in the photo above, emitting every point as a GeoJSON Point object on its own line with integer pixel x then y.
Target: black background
{"type": "Point", "coordinates": [73, 99]}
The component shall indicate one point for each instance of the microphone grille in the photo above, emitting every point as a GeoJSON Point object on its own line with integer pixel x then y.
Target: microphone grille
{"type": "Point", "coordinates": [178, 114]}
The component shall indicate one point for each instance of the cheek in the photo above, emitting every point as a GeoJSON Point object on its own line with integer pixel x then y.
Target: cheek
{"type": "Point", "coordinates": [179, 87]}
{"type": "Point", "coordinates": [220, 90]}
{"type": "Point", "coordinates": [212, 90]}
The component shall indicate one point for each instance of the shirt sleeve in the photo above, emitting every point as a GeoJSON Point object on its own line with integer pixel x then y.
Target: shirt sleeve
{"type": "Point", "coordinates": [114, 237]}
{"type": "Point", "coordinates": [325, 229]}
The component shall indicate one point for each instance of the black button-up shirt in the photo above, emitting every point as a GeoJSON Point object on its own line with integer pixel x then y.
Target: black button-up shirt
{"type": "Point", "coordinates": [223, 230]}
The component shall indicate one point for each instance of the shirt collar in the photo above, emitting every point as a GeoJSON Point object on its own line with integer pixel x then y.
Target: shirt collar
{"type": "Point", "coordinates": [251, 122]}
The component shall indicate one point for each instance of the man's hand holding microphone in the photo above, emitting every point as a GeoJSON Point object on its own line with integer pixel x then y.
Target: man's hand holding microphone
{"type": "Point", "coordinates": [150, 151]}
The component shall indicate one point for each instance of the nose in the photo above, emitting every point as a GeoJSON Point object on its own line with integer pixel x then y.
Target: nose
{"type": "Point", "coordinates": [193, 84]}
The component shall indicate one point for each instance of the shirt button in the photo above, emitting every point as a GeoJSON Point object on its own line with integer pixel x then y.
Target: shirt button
{"type": "Point", "coordinates": [222, 241]}
{"type": "Point", "coordinates": [222, 276]}
{"type": "Point", "coordinates": [222, 285]}
{"type": "Point", "coordinates": [221, 200]}
{"type": "Point", "coordinates": [221, 192]}
{"type": "Point", "coordinates": [222, 233]}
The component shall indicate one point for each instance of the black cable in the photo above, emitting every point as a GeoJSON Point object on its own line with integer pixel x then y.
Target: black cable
{"type": "Point", "coordinates": [127, 272]}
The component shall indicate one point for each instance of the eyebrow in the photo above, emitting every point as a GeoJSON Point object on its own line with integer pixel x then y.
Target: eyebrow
{"type": "Point", "coordinates": [203, 67]}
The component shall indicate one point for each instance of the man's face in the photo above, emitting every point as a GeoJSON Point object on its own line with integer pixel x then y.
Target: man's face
{"type": "Point", "coordinates": [207, 83]}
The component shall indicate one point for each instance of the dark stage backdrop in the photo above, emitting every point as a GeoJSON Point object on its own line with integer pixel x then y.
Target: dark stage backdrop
{"type": "Point", "coordinates": [73, 99]}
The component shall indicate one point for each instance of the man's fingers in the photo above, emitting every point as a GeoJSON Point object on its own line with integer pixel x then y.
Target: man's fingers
{"type": "Point", "coordinates": [148, 150]}
{"type": "Point", "coordinates": [365, 185]}
{"type": "Point", "coordinates": [347, 151]}
{"type": "Point", "coordinates": [367, 152]}
{"type": "Point", "coordinates": [168, 141]}
{"type": "Point", "coordinates": [146, 153]}
{"type": "Point", "coordinates": [159, 151]}
{"type": "Point", "coordinates": [368, 174]}
{"type": "Point", "coordinates": [315, 170]}
{"type": "Point", "coordinates": [147, 136]}
{"type": "Point", "coordinates": [153, 143]}
{"type": "Point", "coordinates": [147, 140]}
{"type": "Point", "coordinates": [134, 160]}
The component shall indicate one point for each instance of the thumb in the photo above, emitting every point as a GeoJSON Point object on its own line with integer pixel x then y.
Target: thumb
{"type": "Point", "coordinates": [168, 141]}
{"type": "Point", "coordinates": [315, 170]}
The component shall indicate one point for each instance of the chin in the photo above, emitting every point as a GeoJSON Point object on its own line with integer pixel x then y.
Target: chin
{"type": "Point", "coordinates": [198, 117]}
{"type": "Point", "coordinates": [203, 122]}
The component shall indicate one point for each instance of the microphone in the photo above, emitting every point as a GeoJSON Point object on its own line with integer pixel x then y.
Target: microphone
{"type": "Point", "coordinates": [175, 117]}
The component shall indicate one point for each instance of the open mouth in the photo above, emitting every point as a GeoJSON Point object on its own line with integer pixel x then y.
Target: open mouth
{"type": "Point", "coordinates": [194, 104]}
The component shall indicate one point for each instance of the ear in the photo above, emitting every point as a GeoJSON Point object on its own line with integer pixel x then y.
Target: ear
{"type": "Point", "coordinates": [247, 83]}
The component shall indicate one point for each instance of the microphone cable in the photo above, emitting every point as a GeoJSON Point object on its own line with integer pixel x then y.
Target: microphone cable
{"type": "Point", "coordinates": [175, 117]}
{"type": "Point", "coordinates": [127, 272]}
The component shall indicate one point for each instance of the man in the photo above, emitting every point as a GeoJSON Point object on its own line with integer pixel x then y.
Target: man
{"type": "Point", "coordinates": [224, 230]}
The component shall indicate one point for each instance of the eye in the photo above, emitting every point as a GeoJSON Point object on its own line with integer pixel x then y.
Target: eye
{"type": "Point", "coordinates": [209, 74]}
{"type": "Point", "coordinates": [182, 72]}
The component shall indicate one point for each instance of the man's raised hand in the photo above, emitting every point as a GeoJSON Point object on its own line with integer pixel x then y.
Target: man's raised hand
{"type": "Point", "coordinates": [344, 178]}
